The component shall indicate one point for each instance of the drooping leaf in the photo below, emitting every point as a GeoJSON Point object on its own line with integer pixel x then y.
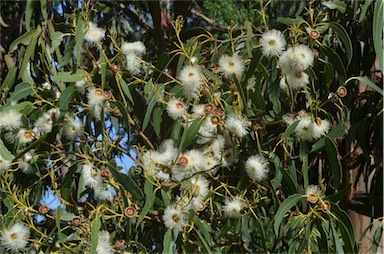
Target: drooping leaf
{"type": "Point", "coordinates": [283, 209]}
{"type": "Point", "coordinates": [377, 31]}
{"type": "Point", "coordinates": [69, 76]}
{"type": "Point", "coordinates": [127, 182]}
{"type": "Point", "coordinates": [333, 160]}
{"type": "Point", "coordinates": [344, 38]}
{"type": "Point", "coordinates": [79, 38]}
{"type": "Point", "coordinates": [4, 152]}
{"type": "Point", "coordinates": [336, 5]}
{"type": "Point", "coordinates": [66, 97]}
{"type": "Point", "coordinates": [366, 81]}
{"type": "Point", "coordinates": [21, 91]}
{"type": "Point", "coordinates": [191, 132]}
{"type": "Point", "coordinates": [95, 229]}
{"type": "Point", "coordinates": [290, 21]}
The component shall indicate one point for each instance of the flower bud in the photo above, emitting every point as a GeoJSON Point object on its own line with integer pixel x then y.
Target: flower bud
{"type": "Point", "coordinates": [76, 222]}
{"type": "Point", "coordinates": [341, 91]}
{"type": "Point", "coordinates": [130, 212]}
{"type": "Point", "coordinates": [43, 209]}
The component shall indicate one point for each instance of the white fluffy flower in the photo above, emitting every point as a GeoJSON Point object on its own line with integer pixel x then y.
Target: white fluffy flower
{"type": "Point", "coordinates": [174, 218]}
{"type": "Point", "coordinates": [91, 176]}
{"type": "Point", "coordinates": [104, 245]}
{"type": "Point", "coordinates": [72, 128]}
{"type": "Point", "coordinates": [302, 57]}
{"type": "Point", "coordinates": [134, 64]}
{"type": "Point", "coordinates": [25, 136]}
{"type": "Point", "coordinates": [233, 207]}
{"type": "Point", "coordinates": [4, 164]}
{"type": "Point", "coordinates": [24, 164]}
{"type": "Point", "coordinates": [197, 186]}
{"type": "Point", "coordinates": [81, 85]}
{"type": "Point", "coordinates": [231, 65]}
{"type": "Point", "coordinates": [285, 60]}
{"type": "Point", "coordinates": [304, 128]}
{"type": "Point", "coordinates": [95, 96]}
{"type": "Point", "coordinates": [283, 84]}
{"type": "Point", "coordinates": [43, 124]}
{"type": "Point", "coordinates": [137, 48]}
{"type": "Point", "coordinates": [198, 110]}
{"type": "Point", "coordinates": [191, 160]}
{"type": "Point", "coordinates": [313, 193]}
{"type": "Point", "coordinates": [175, 108]}
{"type": "Point", "coordinates": [104, 191]}
{"type": "Point", "coordinates": [320, 128]}
{"type": "Point", "coordinates": [15, 238]}
{"type": "Point", "coordinates": [10, 120]}
{"type": "Point", "coordinates": [191, 79]}
{"type": "Point", "coordinates": [237, 125]}
{"type": "Point", "coordinates": [297, 79]}
{"type": "Point", "coordinates": [257, 167]}
{"type": "Point", "coordinates": [94, 34]}
{"type": "Point", "coordinates": [272, 43]}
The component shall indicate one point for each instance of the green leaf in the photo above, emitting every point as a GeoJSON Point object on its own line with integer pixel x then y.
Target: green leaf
{"type": "Point", "coordinates": [169, 245]}
{"type": "Point", "coordinates": [125, 88]}
{"type": "Point", "coordinates": [165, 197]}
{"type": "Point", "coordinates": [250, 36]}
{"type": "Point", "coordinates": [127, 182]}
{"type": "Point", "coordinates": [336, 132]}
{"type": "Point", "coordinates": [283, 209]}
{"type": "Point", "coordinates": [205, 229]}
{"type": "Point", "coordinates": [29, 54]}
{"type": "Point", "coordinates": [333, 160]}
{"type": "Point", "coordinates": [274, 95]}
{"type": "Point", "coordinates": [148, 113]}
{"type": "Point", "coordinates": [66, 186]}
{"type": "Point", "coordinates": [21, 91]}
{"type": "Point", "coordinates": [4, 152]}
{"type": "Point", "coordinates": [68, 216]}
{"type": "Point", "coordinates": [378, 31]}
{"type": "Point", "coordinates": [125, 116]}
{"type": "Point", "coordinates": [242, 96]}
{"type": "Point", "coordinates": [290, 129]}
{"type": "Point", "coordinates": [29, 10]}
{"type": "Point", "coordinates": [345, 227]}
{"type": "Point", "coordinates": [366, 81]}
{"type": "Point", "coordinates": [191, 132]}
{"type": "Point", "coordinates": [149, 200]}
{"type": "Point", "coordinates": [69, 76]}
{"type": "Point", "coordinates": [66, 97]}
{"type": "Point", "coordinates": [95, 229]}
{"type": "Point", "coordinates": [342, 34]}
{"type": "Point", "coordinates": [214, 77]}
{"type": "Point", "coordinates": [290, 21]}
{"type": "Point", "coordinates": [103, 66]}
{"type": "Point", "coordinates": [79, 38]}
{"type": "Point", "coordinates": [377, 236]}
{"type": "Point", "coordinates": [336, 5]}
{"type": "Point", "coordinates": [43, 5]}
{"type": "Point", "coordinates": [22, 107]}
{"type": "Point", "coordinates": [24, 39]}
{"type": "Point", "coordinates": [335, 60]}
{"type": "Point", "coordinates": [56, 39]}
{"type": "Point", "coordinates": [364, 10]}
{"type": "Point", "coordinates": [9, 79]}
{"type": "Point", "coordinates": [157, 113]}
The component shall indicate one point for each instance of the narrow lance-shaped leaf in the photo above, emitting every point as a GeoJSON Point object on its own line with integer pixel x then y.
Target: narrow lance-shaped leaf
{"type": "Point", "coordinates": [333, 160]}
{"type": "Point", "coordinates": [283, 209]}
{"type": "Point", "coordinates": [95, 229]}
{"type": "Point", "coordinates": [366, 81]}
{"type": "Point", "coordinates": [4, 152]}
{"type": "Point", "coordinates": [378, 31]}
{"type": "Point", "coordinates": [344, 38]}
